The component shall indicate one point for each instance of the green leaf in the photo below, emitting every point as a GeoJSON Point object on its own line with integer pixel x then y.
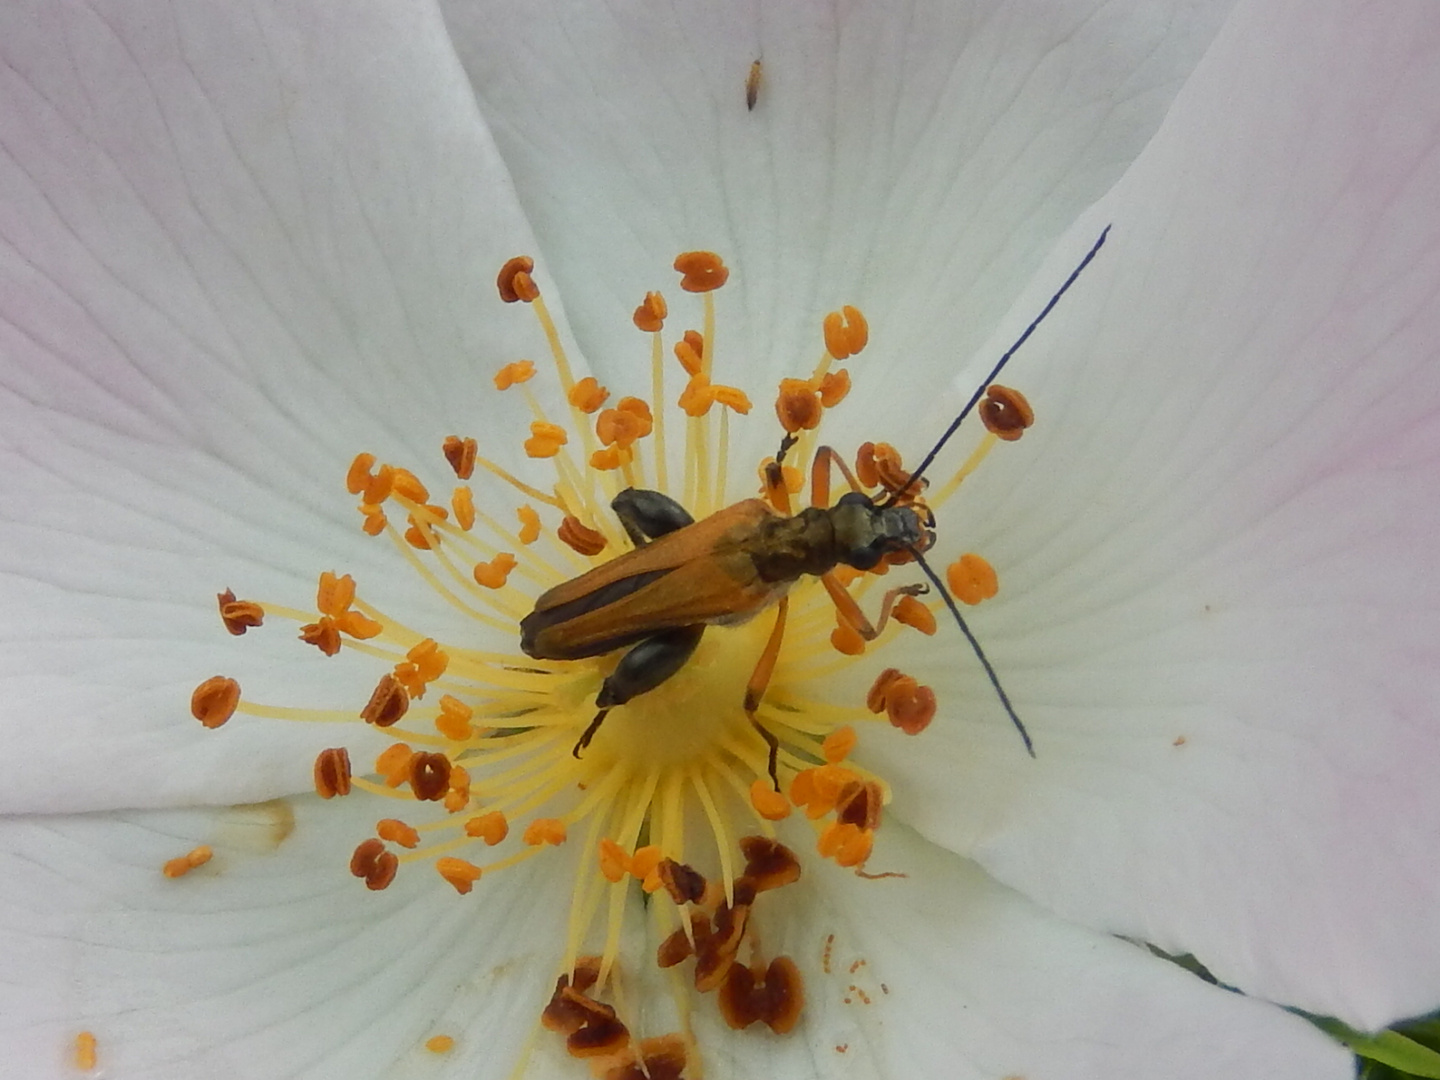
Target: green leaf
{"type": "Point", "coordinates": [1387, 1047]}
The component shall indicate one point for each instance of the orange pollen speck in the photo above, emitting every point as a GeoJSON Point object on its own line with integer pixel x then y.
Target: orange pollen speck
{"type": "Point", "coordinates": [387, 704]}
{"type": "Point", "coordinates": [971, 579]}
{"type": "Point", "coordinates": [587, 395]}
{"type": "Point", "coordinates": [846, 332]}
{"type": "Point", "coordinates": [513, 373]}
{"type": "Point", "coordinates": [239, 615]}
{"type": "Point", "coordinates": [913, 613]}
{"type": "Point", "coordinates": [460, 453]}
{"type": "Point", "coordinates": [514, 281]}
{"type": "Point", "coordinates": [491, 827]}
{"type": "Point", "coordinates": [215, 700]}
{"type": "Point", "coordinates": [650, 315]}
{"type": "Point", "coordinates": [768, 803]}
{"type": "Point", "coordinates": [86, 1056]}
{"type": "Point", "coordinates": [701, 271]}
{"type": "Point", "coordinates": [529, 524]}
{"type": "Point", "coordinates": [182, 865]}
{"type": "Point", "coordinates": [545, 439]}
{"type": "Point", "coordinates": [397, 832]}
{"type": "Point", "coordinates": [494, 574]}
{"type": "Point", "coordinates": [545, 831]}
{"type": "Point", "coordinates": [332, 772]}
{"type": "Point", "coordinates": [440, 1044]}
{"type": "Point", "coordinates": [580, 536]}
{"type": "Point", "coordinates": [1005, 412]}
{"type": "Point", "coordinates": [458, 872]}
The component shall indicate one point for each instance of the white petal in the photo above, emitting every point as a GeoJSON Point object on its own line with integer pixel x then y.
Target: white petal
{"type": "Point", "coordinates": [1220, 607]}
{"type": "Point", "coordinates": [916, 160]}
{"type": "Point", "coordinates": [946, 973]}
{"type": "Point", "coordinates": [267, 962]}
{"type": "Point", "coordinates": [238, 244]}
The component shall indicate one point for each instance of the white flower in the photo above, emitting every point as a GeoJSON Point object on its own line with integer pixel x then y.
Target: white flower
{"type": "Point", "coordinates": [239, 243]}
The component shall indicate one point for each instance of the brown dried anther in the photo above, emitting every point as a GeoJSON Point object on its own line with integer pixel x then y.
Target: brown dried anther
{"type": "Point", "coordinates": [429, 776]}
{"type": "Point", "coordinates": [702, 271]}
{"type": "Point", "coordinates": [683, 883]}
{"type": "Point", "coordinates": [769, 864]}
{"type": "Point", "coordinates": [460, 453]}
{"type": "Point", "coordinates": [215, 700]}
{"type": "Point", "coordinates": [373, 863]}
{"type": "Point", "coordinates": [324, 635]}
{"type": "Point", "coordinates": [661, 1058]}
{"type": "Point", "coordinates": [859, 804]}
{"type": "Point", "coordinates": [774, 996]}
{"type": "Point", "coordinates": [387, 704]}
{"type": "Point", "coordinates": [332, 772]}
{"type": "Point", "coordinates": [580, 536]}
{"type": "Point", "coordinates": [1005, 412]}
{"type": "Point", "coordinates": [514, 281]}
{"type": "Point", "coordinates": [239, 615]}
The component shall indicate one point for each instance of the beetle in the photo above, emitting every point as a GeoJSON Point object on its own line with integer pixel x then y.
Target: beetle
{"type": "Point", "coordinates": [684, 575]}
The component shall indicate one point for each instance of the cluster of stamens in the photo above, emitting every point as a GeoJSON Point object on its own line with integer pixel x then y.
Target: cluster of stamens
{"type": "Point", "coordinates": [488, 738]}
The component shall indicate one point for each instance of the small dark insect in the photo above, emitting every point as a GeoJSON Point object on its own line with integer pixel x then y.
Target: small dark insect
{"type": "Point", "coordinates": [752, 86]}
{"type": "Point", "coordinates": [685, 575]}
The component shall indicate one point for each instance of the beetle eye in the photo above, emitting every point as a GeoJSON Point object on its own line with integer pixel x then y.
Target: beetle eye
{"type": "Point", "coordinates": [866, 558]}
{"type": "Point", "coordinates": [855, 498]}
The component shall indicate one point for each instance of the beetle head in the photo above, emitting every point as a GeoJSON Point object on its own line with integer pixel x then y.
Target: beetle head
{"type": "Point", "coordinates": [866, 533]}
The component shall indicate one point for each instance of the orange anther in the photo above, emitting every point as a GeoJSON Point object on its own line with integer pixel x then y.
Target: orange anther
{"type": "Point", "coordinates": [701, 271]}
{"type": "Point", "coordinates": [888, 467]}
{"type": "Point", "coordinates": [324, 635]}
{"type": "Point", "coordinates": [971, 579]}
{"type": "Point", "coordinates": [697, 397]}
{"type": "Point", "coordinates": [802, 787]}
{"type": "Point", "coordinates": [358, 477]}
{"type": "Point", "coordinates": [620, 427]}
{"type": "Point", "coordinates": [373, 863]}
{"type": "Point", "coordinates": [454, 719]}
{"type": "Point", "coordinates": [529, 524]}
{"type": "Point", "coordinates": [86, 1055]}
{"type": "Point", "coordinates": [846, 639]}
{"type": "Point", "coordinates": [335, 594]}
{"type": "Point", "coordinates": [913, 613]}
{"type": "Point", "coordinates": [517, 371]}
{"type": "Point", "coordinates": [644, 863]}
{"type": "Point", "coordinates": [387, 704]}
{"type": "Point", "coordinates": [397, 832]}
{"type": "Point", "coordinates": [865, 469]}
{"type": "Point", "coordinates": [587, 395]}
{"type": "Point", "coordinates": [768, 803]}
{"type": "Point", "coordinates": [215, 700]}
{"type": "Point", "coordinates": [580, 536]}
{"type": "Point", "coordinates": [614, 861]}
{"type": "Point", "coordinates": [650, 315]}
{"type": "Point", "coordinates": [911, 709]}
{"type": "Point", "coordinates": [491, 827]}
{"type": "Point", "coordinates": [639, 409]}
{"type": "Point", "coordinates": [848, 845]}
{"type": "Point", "coordinates": [408, 486]}
{"type": "Point", "coordinates": [380, 485]}
{"type": "Point", "coordinates": [462, 501]}
{"type": "Point", "coordinates": [460, 453]}
{"type": "Point", "coordinates": [690, 351]}
{"type": "Point", "coordinates": [374, 519]}
{"type": "Point", "coordinates": [238, 615]}
{"type": "Point", "coordinates": [545, 439]}
{"type": "Point", "coordinates": [846, 332]}
{"type": "Point", "coordinates": [440, 1044]}
{"type": "Point", "coordinates": [332, 772]}
{"type": "Point", "coordinates": [514, 281]}
{"type": "Point", "coordinates": [545, 831]}
{"type": "Point", "coordinates": [797, 406]}
{"type": "Point", "coordinates": [458, 797]}
{"type": "Point", "coordinates": [834, 387]}
{"type": "Point", "coordinates": [1005, 412]}
{"type": "Point", "coordinates": [493, 574]}
{"type": "Point", "coordinates": [612, 457]}
{"type": "Point", "coordinates": [732, 398]}
{"type": "Point", "coordinates": [182, 865]}
{"type": "Point", "coordinates": [393, 763]}
{"type": "Point", "coordinates": [358, 625]}
{"type": "Point", "coordinates": [838, 744]}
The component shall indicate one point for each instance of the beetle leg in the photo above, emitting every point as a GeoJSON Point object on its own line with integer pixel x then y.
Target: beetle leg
{"type": "Point", "coordinates": [760, 679]}
{"type": "Point", "coordinates": [850, 610]}
{"type": "Point", "coordinates": [825, 457]}
{"type": "Point", "coordinates": [648, 664]}
{"type": "Point", "coordinates": [648, 515]}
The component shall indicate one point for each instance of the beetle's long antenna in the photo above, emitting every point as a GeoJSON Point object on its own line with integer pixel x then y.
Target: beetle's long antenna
{"type": "Point", "coordinates": [974, 644]}
{"type": "Point", "coordinates": [980, 390]}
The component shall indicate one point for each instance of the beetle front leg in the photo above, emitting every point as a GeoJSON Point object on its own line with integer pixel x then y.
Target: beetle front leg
{"type": "Point", "coordinates": [648, 664]}
{"type": "Point", "coordinates": [648, 515]}
{"type": "Point", "coordinates": [850, 610]}
{"type": "Point", "coordinates": [760, 679]}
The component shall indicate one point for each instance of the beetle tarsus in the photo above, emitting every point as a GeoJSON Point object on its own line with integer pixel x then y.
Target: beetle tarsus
{"type": "Point", "coordinates": [774, 745]}
{"type": "Point", "coordinates": [584, 739]}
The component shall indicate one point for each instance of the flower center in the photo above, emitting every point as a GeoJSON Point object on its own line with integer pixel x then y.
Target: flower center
{"type": "Point", "coordinates": [670, 679]}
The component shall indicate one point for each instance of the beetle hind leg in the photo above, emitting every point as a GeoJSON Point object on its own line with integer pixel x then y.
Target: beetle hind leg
{"type": "Point", "coordinates": [648, 664]}
{"type": "Point", "coordinates": [648, 515]}
{"type": "Point", "coordinates": [760, 679]}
